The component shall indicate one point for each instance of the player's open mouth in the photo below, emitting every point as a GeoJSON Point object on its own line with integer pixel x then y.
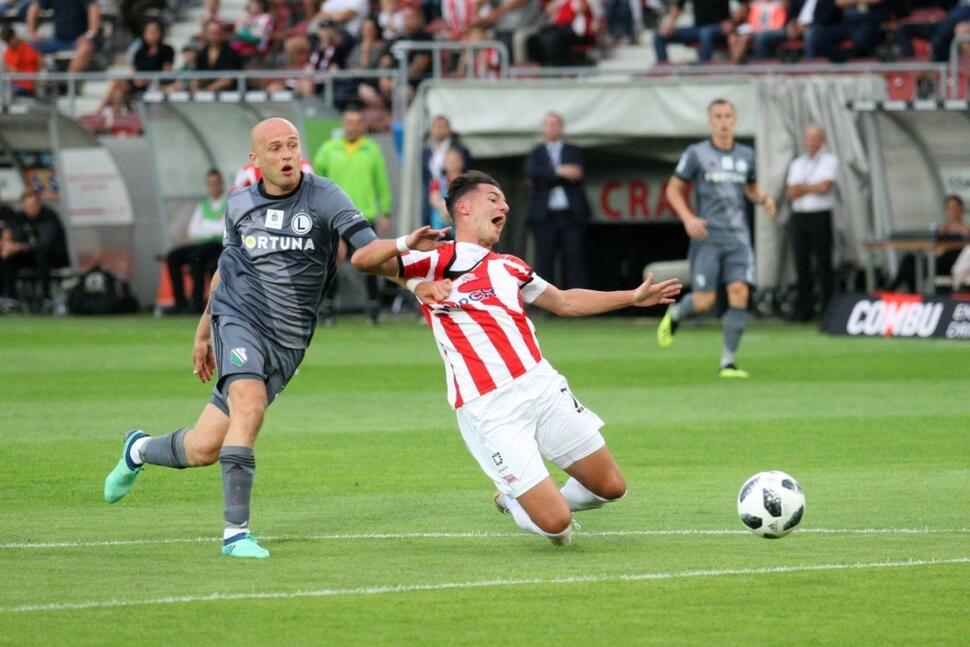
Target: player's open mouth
{"type": "Point", "coordinates": [498, 221]}
{"type": "Point", "coordinates": [287, 169]}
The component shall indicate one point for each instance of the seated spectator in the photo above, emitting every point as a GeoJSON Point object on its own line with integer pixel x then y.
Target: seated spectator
{"type": "Point", "coordinates": [254, 31]}
{"type": "Point", "coordinates": [486, 61]}
{"type": "Point", "coordinates": [860, 24]}
{"type": "Point", "coordinates": [367, 51]}
{"type": "Point", "coordinates": [189, 56]}
{"type": "Point", "coordinates": [418, 62]}
{"type": "Point", "coordinates": [513, 22]}
{"type": "Point", "coordinates": [215, 56]}
{"type": "Point", "coordinates": [201, 254]}
{"type": "Point", "coordinates": [212, 12]}
{"type": "Point", "coordinates": [16, 8]}
{"type": "Point", "coordinates": [345, 14]}
{"type": "Point", "coordinates": [763, 17]}
{"type": "Point", "coordinates": [954, 226]}
{"type": "Point", "coordinates": [391, 19]}
{"type": "Point", "coordinates": [459, 16]}
{"type": "Point", "coordinates": [939, 33]}
{"type": "Point", "coordinates": [570, 23]}
{"type": "Point", "coordinates": [713, 23]}
{"type": "Point", "coordinates": [152, 55]}
{"type": "Point", "coordinates": [624, 18]}
{"type": "Point", "coordinates": [297, 49]}
{"type": "Point", "coordinates": [963, 29]}
{"type": "Point", "coordinates": [76, 27]}
{"type": "Point", "coordinates": [20, 57]}
{"type": "Point", "coordinates": [37, 242]}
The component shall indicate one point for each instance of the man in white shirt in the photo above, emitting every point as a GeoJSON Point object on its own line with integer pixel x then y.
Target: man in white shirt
{"type": "Point", "coordinates": [811, 189]}
{"type": "Point", "coordinates": [201, 252]}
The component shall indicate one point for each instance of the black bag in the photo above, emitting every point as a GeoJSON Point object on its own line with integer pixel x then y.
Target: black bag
{"type": "Point", "coordinates": [101, 293]}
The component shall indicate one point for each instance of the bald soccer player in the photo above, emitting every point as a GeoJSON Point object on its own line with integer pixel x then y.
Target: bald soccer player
{"type": "Point", "coordinates": [280, 247]}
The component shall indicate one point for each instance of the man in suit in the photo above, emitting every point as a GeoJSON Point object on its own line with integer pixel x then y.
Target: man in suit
{"type": "Point", "coordinates": [440, 139]}
{"type": "Point", "coordinates": [558, 210]}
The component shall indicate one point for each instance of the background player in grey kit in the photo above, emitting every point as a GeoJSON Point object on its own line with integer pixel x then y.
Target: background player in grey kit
{"type": "Point", "coordinates": [280, 247]}
{"type": "Point", "coordinates": [723, 174]}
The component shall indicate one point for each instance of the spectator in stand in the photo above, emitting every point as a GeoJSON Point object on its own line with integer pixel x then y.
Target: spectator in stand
{"type": "Point", "coordinates": [459, 16]}
{"type": "Point", "coordinates": [201, 254]}
{"type": "Point", "coordinates": [345, 14]}
{"type": "Point", "coordinates": [513, 22]}
{"type": "Point", "coordinates": [810, 186]}
{"type": "Point", "coordinates": [37, 242]}
{"type": "Point", "coordinates": [76, 27]}
{"type": "Point", "coordinates": [366, 55]}
{"type": "Point", "coordinates": [860, 23]}
{"type": "Point", "coordinates": [940, 33]}
{"type": "Point", "coordinates": [419, 62]}
{"type": "Point", "coordinates": [624, 19]}
{"type": "Point", "coordinates": [297, 49]}
{"type": "Point", "coordinates": [763, 17]}
{"type": "Point", "coordinates": [254, 31]}
{"type": "Point", "coordinates": [152, 55]}
{"type": "Point", "coordinates": [441, 139]}
{"type": "Point", "coordinates": [19, 57]}
{"type": "Point", "coordinates": [391, 19]}
{"type": "Point", "coordinates": [963, 29]}
{"type": "Point", "coordinates": [570, 23]}
{"type": "Point", "coordinates": [558, 210]}
{"type": "Point", "coordinates": [215, 56]}
{"type": "Point", "coordinates": [713, 23]}
{"type": "Point", "coordinates": [18, 8]}
{"type": "Point", "coordinates": [355, 163]}
{"type": "Point", "coordinates": [333, 47]}
{"type": "Point", "coordinates": [945, 259]}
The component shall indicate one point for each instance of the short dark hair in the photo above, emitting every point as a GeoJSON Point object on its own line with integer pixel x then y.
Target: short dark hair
{"type": "Point", "coordinates": [720, 101]}
{"type": "Point", "coordinates": [214, 171]}
{"type": "Point", "coordinates": [464, 184]}
{"type": "Point", "coordinates": [7, 33]}
{"type": "Point", "coordinates": [955, 197]}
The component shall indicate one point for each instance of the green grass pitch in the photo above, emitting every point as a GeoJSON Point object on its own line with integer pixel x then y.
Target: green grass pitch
{"type": "Point", "coordinates": [381, 526]}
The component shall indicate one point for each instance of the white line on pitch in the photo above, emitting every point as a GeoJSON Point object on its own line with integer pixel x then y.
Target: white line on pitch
{"type": "Point", "coordinates": [476, 535]}
{"type": "Point", "coordinates": [412, 588]}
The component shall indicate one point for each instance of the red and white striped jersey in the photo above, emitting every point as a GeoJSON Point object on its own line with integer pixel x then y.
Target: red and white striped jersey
{"type": "Point", "coordinates": [483, 334]}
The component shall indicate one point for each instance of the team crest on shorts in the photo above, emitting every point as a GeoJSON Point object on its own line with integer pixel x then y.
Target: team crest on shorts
{"type": "Point", "coordinates": [238, 356]}
{"type": "Point", "coordinates": [497, 459]}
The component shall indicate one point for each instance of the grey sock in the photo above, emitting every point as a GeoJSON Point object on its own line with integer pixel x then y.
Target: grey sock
{"type": "Point", "coordinates": [238, 469]}
{"type": "Point", "coordinates": [734, 322]}
{"type": "Point", "coordinates": [683, 308]}
{"type": "Point", "coordinates": [167, 450]}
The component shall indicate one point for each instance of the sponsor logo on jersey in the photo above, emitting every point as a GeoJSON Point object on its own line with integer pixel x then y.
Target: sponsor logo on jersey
{"type": "Point", "coordinates": [727, 163]}
{"type": "Point", "coordinates": [238, 356]}
{"type": "Point", "coordinates": [741, 166]}
{"type": "Point", "coordinates": [274, 218]}
{"type": "Point", "coordinates": [281, 243]}
{"type": "Point", "coordinates": [719, 177]}
{"type": "Point", "coordinates": [301, 223]}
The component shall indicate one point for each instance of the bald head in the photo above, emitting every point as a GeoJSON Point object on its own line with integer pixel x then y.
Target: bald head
{"type": "Point", "coordinates": [814, 139]}
{"type": "Point", "coordinates": [275, 151]}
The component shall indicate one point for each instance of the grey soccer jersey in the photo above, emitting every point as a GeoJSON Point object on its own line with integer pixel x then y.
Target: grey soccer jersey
{"type": "Point", "coordinates": [719, 177]}
{"type": "Point", "coordinates": [280, 254]}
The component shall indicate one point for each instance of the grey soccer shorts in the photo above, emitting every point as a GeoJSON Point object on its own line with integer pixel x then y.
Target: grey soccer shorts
{"type": "Point", "coordinates": [242, 352]}
{"type": "Point", "coordinates": [713, 263]}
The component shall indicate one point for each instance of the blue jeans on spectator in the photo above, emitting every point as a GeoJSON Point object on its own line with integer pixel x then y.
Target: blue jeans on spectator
{"type": "Point", "coordinates": [940, 34]}
{"type": "Point", "coordinates": [52, 45]}
{"type": "Point", "coordinates": [619, 19]}
{"type": "Point", "coordinates": [764, 43]}
{"type": "Point", "coordinates": [707, 37]}
{"type": "Point", "coordinates": [824, 41]}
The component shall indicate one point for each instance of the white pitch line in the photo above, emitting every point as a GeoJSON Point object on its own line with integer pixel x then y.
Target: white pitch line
{"type": "Point", "coordinates": [476, 535]}
{"type": "Point", "coordinates": [478, 584]}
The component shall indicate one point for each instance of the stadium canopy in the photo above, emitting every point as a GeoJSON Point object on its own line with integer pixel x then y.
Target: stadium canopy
{"type": "Point", "coordinates": [653, 118]}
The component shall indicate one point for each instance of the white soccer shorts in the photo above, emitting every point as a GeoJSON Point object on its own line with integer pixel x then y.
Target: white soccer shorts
{"type": "Point", "coordinates": [510, 430]}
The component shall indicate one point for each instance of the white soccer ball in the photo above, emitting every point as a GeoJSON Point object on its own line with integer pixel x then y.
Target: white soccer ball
{"type": "Point", "coordinates": [771, 504]}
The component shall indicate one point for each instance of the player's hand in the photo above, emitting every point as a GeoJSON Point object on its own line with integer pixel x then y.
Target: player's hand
{"type": "Point", "coordinates": [431, 293]}
{"type": "Point", "coordinates": [204, 360]}
{"type": "Point", "coordinates": [696, 228]}
{"type": "Point", "coordinates": [666, 27]}
{"type": "Point", "coordinates": [662, 293]}
{"type": "Point", "coordinates": [426, 239]}
{"type": "Point", "coordinates": [769, 206]}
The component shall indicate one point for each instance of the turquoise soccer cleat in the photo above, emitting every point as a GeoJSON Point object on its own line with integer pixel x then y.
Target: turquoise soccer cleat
{"type": "Point", "coordinates": [244, 544]}
{"type": "Point", "coordinates": [122, 477]}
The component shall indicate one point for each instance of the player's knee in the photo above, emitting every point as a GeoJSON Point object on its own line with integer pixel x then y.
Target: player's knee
{"type": "Point", "coordinates": [556, 522]}
{"type": "Point", "coordinates": [613, 488]}
{"type": "Point", "coordinates": [703, 301]}
{"type": "Point", "coordinates": [203, 457]}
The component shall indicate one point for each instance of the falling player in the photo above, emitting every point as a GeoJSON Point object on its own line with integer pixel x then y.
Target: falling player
{"type": "Point", "coordinates": [513, 408]}
{"type": "Point", "coordinates": [723, 173]}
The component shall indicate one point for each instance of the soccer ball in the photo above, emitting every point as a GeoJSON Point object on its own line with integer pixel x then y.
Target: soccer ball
{"type": "Point", "coordinates": [771, 504]}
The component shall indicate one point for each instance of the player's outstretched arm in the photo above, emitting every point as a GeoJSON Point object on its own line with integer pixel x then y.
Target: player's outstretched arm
{"type": "Point", "coordinates": [202, 357]}
{"type": "Point", "coordinates": [760, 197]}
{"type": "Point", "coordinates": [374, 256]}
{"type": "Point", "coordinates": [583, 303]}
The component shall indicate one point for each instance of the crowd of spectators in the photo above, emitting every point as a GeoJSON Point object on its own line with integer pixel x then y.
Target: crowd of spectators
{"type": "Point", "coordinates": [346, 35]}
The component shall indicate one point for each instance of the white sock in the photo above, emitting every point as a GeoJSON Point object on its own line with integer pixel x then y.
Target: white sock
{"type": "Point", "coordinates": [525, 522]}
{"type": "Point", "coordinates": [134, 452]}
{"type": "Point", "coordinates": [579, 498]}
{"type": "Point", "coordinates": [232, 530]}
